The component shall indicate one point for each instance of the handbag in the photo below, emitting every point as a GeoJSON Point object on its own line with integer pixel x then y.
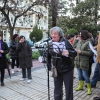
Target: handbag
{"type": "Point", "coordinates": [53, 71]}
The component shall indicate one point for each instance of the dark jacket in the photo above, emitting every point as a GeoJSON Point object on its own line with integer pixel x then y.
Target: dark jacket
{"type": "Point", "coordinates": [25, 54]}
{"type": "Point", "coordinates": [3, 63]}
{"type": "Point", "coordinates": [12, 52]}
{"type": "Point", "coordinates": [82, 59]}
{"type": "Point", "coordinates": [62, 63]}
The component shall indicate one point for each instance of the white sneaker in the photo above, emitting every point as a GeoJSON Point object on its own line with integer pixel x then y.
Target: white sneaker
{"type": "Point", "coordinates": [12, 71]}
{"type": "Point", "coordinates": [18, 69]}
{"type": "Point", "coordinates": [22, 79]}
{"type": "Point", "coordinates": [29, 80]}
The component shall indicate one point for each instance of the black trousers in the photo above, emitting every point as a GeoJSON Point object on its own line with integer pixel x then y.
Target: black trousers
{"type": "Point", "coordinates": [28, 73]}
{"type": "Point", "coordinates": [2, 74]}
{"type": "Point", "coordinates": [67, 78]}
{"type": "Point", "coordinates": [13, 63]}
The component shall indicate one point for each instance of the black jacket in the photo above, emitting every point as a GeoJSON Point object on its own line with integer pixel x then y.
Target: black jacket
{"type": "Point", "coordinates": [3, 63]}
{"type": "Point", "coordinates": [13, 53]}
{"type": "Point", "coordinates": [62, 63]}
{"type": "Point", "coordinates": [25, 54]}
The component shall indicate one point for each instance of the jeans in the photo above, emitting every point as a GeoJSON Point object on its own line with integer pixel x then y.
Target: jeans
{"type": "Point", "coordinates": [83, 74]}
{"type": "Point", "coordinates": [96, 75]}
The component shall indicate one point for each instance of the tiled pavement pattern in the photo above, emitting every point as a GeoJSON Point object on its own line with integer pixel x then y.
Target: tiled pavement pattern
{"type": "Point", "coordinates": [37, 90]}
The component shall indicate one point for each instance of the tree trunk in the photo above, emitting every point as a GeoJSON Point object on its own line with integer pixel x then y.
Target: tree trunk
{"type": "Point", "coordinates": [54, 12]}
{"type": "Point", "coordinates": [11, 32]}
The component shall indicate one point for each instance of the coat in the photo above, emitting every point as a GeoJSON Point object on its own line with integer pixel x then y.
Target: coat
{"type": "Point", "coordinates": [25, 54]}
{"type": "Point", "coordinates": [98, 50]}
{"type": "Point", "coordinates": [82, 59]}
{"type": "Point", "coordinates": [62, 63]}
{"type": "Point", "coordinates": [3, 63]}
{"type": "Point", "coordinates": [12, 52]}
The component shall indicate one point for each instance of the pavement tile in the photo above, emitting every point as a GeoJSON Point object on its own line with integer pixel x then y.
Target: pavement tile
{"type": "Point", "coordinates": [15, 89]}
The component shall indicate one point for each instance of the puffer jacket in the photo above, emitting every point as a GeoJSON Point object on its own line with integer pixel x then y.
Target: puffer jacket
{"type": "Point", "coordinates": [25, 54]}
{"type": "Point", "coordinates": [13, 53]}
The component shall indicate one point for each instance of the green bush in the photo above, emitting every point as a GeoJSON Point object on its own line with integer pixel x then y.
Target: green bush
{"type": "Point", "coordinates": [71, 31]}
{"type": "Point", "coordinates": [35, 54]}
{"type": "Point", "coordinates": [37, 33]}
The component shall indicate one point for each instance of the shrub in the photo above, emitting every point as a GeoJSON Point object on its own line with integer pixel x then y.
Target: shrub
{"type": "Point", "coordinates": [35, 54]}
{"type": "Point", "coordinates": [71, 31]}
{"type": "Point", "coordinates": [37, 33]}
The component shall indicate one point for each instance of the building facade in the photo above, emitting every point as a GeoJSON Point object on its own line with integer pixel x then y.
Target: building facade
{"type": "Point", "coordinates": [24, 24]}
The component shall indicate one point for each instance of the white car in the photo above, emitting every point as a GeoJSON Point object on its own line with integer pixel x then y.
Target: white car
{"type": "Point", "coordinates": [40, 44]}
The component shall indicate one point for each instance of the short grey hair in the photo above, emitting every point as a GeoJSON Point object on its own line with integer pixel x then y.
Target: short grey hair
{"type": "Point", "coordinates": [58, 29]}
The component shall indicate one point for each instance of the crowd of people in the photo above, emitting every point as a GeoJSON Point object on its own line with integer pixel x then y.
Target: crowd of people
{"type": "Point", "coordinates": [20, 53]}
{"type": "Point", "coordinates": [78, 49]}
{"type": "Point", "coordinates": [77, 53]}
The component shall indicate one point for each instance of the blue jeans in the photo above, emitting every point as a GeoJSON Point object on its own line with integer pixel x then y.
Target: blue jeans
{"type": "Point", "coordinates": [96, 75]}
{"type": "Point", "coordinates": [83, 74]}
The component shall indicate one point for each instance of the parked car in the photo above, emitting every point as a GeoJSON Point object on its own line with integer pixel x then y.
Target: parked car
{"type": "Point", "coordinates": [41, 44]}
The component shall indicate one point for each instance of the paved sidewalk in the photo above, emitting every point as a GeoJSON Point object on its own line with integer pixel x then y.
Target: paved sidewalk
{"type": "Point", "coordinates": [37, 90]}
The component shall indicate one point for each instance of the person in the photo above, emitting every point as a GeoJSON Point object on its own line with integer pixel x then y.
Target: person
{"type": "Point", "coordinates": [91, 61]}
{"type": "Point", "coordinates": [34, 40]}
{"type": "Point", "coordinates": [13, 53]}
{"type": "Point", "coordinates": [3, 64]}
{"type": "Point", "coordinates": [25, 61]}
{"type": "Point", "coordinates": [71, 38]}
{"type": "Point", "coordinates": [82, 61]}
{"type": "Point", "coordinates": [65, 73]}
{"type": "Point", "coordinates": [97, 68]}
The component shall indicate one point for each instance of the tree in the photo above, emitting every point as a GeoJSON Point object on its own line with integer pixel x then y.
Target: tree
{"type": "Point", "coordinates": [56, 8]}
{"type": "Point", "coordinates": [37, 33]}
{"type": "Point", "coordinates": [13, 7]}
{"type": "Point", "coordinates": [86, 13]}
{"type": "Point", "coordinates": [71, 31]}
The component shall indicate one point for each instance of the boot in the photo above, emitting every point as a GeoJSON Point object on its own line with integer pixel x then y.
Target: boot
{"type": "Point", "coordinates": [89, 89]}
{"type": "Point", "coordinates": [80, 86]}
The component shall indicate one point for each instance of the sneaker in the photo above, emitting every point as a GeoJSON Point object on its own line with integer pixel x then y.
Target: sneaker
{"type": "Point", "coordinates": [29, 80]}
{"type": "Point", "coordinates": [12, 71]}
{"type": "Point", "coordinates": [18, 69]}
{"type": "Point", "coordinates": [22, 79]}
{"type": "Point", "coordinates": [2, 84]}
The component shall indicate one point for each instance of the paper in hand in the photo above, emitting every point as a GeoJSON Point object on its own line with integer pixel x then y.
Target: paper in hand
{"type": "Point", "coordinates": [93, 50]}
{"type": "Point", "coordinates": [59, 47]}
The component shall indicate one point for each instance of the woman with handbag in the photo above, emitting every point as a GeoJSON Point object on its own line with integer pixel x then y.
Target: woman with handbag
{"type": "Point", "coordinates": [3, 64]}
{"type": "Point", "coordinates": [62, 63]}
